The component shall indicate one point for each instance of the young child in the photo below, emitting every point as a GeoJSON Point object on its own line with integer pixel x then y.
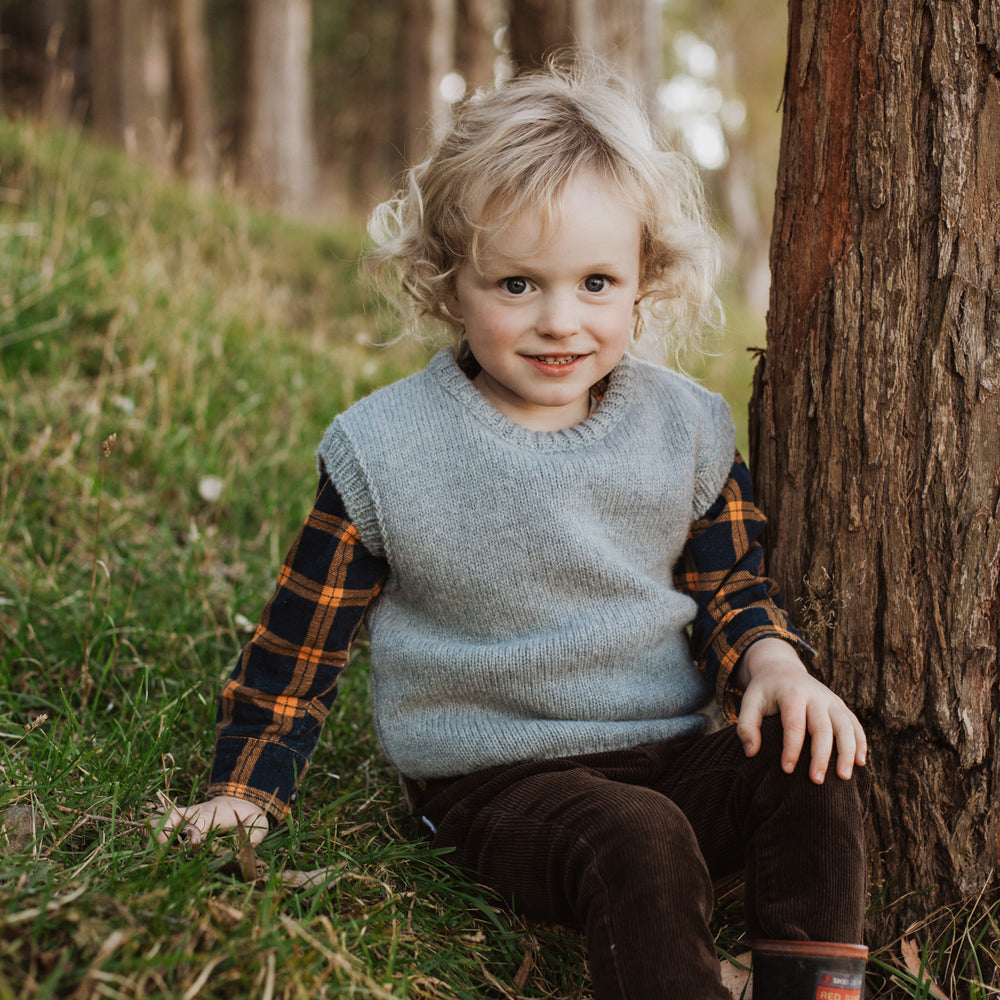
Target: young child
{"type": "Point", "coordinates": [530, 527]}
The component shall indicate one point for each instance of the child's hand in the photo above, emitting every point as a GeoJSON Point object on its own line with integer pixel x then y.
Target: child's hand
{"type": "Point", "coordinates": [224, 812]}
{"type": "Point", "coordinates": [776, 681]}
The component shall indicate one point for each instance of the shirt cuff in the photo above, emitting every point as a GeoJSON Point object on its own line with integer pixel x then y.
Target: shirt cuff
{"type": "Point", "coordinates": [260, 771]}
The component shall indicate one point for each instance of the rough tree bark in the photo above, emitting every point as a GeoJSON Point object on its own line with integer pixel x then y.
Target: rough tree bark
{"type": "Point", "coordinates": [626, 32]}
{"type": "Point", "coordinates": [875, 420]}
{"type": "Point", "coordinates": [276, 155]}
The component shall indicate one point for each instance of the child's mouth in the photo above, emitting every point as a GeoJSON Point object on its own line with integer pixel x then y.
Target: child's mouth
{"type": "Point", "coordinates": [556, 359]}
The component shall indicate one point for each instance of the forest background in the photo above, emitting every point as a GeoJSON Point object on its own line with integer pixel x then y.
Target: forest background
{"type": "Point", "coordinates": [182, 191]}
{"type": "Point", "coordinates": [317, 107]}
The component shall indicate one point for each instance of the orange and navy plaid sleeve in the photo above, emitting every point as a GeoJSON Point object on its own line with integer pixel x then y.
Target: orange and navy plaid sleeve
{"type": "Point", "coordinates": [722, 568]}
{"type": "Point", "coordinates": [273, 706]}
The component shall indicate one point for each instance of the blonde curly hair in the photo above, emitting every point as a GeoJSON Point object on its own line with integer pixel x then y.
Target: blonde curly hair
{"type": "Point", "coordinates": [513, 149]}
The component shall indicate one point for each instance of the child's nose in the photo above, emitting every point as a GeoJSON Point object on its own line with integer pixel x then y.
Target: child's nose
{"type": "Point", "coordinates": [559, 316]}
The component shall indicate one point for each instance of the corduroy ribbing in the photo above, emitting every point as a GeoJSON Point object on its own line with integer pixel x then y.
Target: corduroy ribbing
{"type": "Point", "coordinates": [529, 610]}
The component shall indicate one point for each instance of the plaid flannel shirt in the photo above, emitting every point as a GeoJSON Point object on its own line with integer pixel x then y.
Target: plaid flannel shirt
{"type": "Point", "coordinates": [273, 706]}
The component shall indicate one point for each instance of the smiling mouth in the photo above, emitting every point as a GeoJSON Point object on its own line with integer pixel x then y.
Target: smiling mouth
{"type": "Point", "coordinates": [556, 359]}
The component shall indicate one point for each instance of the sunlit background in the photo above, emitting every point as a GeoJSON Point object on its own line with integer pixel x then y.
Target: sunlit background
{"type": "Point", "coordinates": [317, 106]}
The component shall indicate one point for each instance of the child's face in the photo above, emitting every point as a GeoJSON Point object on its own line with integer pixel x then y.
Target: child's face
{"type": "Point", "coordinates": [551, 312]}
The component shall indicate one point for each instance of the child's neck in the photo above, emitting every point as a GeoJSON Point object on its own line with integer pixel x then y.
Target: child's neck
{"type": "Point", "coordinates": [546, 419]}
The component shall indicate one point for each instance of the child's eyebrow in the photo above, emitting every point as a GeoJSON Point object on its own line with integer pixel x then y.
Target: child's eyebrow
{"type": "Point", "coordinates": [518, 265]}
{"type": "Point", "coordinates": [499, 264]}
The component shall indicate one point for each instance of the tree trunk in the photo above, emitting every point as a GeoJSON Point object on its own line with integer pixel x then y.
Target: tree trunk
{"type": "Point", "coordinates": [144, 78]}
{"type": "Point", "coordinates": [476, 22]}
{"type": "Point", "coordinates": [105, 106]}
{"type": "Point", "coordinates": [537, 28]}
{"type": "Point", "coordinates": [875, 419]}
{"type": "Point", "coordinates": [60, 53]}
{"type": "Point", "coordinates": [736, 177]}
{"type": "Point", "coordinates": [38, 46]}
{"type": "Point", "coordinates": [626, 32]}
{"type": "Point", "coordinates": [130, 75]}
{"type": "Point", "coordinates": [749, 42]}
{"type": "Point", "coordinates": [428, 37]}
{"type": "Point", "coordinates": [276, 155]}
{"type": "Point", "coordinates": [192, 84]}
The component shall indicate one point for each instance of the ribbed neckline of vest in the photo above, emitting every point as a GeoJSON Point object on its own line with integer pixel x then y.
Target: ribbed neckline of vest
{"type": "Point", "coordinates": [443, 368]}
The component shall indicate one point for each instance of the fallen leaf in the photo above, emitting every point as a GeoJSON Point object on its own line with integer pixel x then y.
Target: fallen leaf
{"type": "Point", "coordinates": [522, 974]}
{"type": "Point", "coordinates": [911, 959]}
{"type": "Point", "coordinates": [17, 829]}
{"type": "Point", "coordinates": [303, 880]}
{"type": "Point", "coordinates": [736, 976]}
{"type": "Point", "coordinates": [251, 868]}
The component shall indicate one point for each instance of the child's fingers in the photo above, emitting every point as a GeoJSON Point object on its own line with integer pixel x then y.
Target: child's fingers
{"type": "Point", "coordinates": [842, 727]}
{"type": "Point", "coordinates": [256, 828]}
{"type": "Point", "coordinates": [195, 821]}
{"type": "Point", "coordinates": [821, 736]}
{"type": "Point", "coordinates": [861, 751]}
{"type": "Point", "coordinates": [852, 746]}
{"type": "Point", "coordinates": [748, 723]}
{"type": "Point", "coordinates": [847, 753]}
{"type": "Point", "coordinates": [794, 724]}
{"type": "Point", "coordinates": [176, 820]}
{"type": "Point", "coordinates": [847, 744]}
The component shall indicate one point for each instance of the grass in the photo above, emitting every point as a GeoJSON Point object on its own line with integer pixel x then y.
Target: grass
{"type": "Point", "coordinates": [167, 365]}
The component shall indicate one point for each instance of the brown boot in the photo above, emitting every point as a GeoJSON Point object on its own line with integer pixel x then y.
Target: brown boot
{"type": "Point", "coordinates": [808, 970]}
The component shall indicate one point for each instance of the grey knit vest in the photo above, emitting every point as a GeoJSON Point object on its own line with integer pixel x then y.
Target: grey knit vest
{"type": "Point", "coordinates": [529, 610]}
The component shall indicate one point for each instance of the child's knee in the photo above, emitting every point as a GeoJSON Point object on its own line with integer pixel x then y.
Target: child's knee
{"type": "Point", "coordinates": [772, 741]}
{"type": "Point", "coordinates": [770, 754]}
{"type": "Point", "coordinates": [836, 805]}
{"type": "Point", "coordinates": [645, 838]}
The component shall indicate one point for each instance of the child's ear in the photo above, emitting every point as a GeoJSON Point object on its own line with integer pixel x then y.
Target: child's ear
{"type": "Point", "coordinates": [452, 303]}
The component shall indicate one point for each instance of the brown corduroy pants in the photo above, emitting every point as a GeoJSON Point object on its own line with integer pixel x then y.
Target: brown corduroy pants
{"type": "Point", "coordinates": [626, 845]}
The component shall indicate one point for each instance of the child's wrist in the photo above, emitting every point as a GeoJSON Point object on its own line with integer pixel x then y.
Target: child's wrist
{"type": "Point", "coordinates": [767, 653]}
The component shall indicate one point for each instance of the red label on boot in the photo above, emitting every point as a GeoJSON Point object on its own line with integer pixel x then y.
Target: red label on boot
{"type": "Point", "coordinates": [838, 986]}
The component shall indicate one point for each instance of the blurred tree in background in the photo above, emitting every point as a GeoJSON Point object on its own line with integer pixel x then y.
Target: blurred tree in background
{"type": "Point", "coordinates": [275, 152]}
{"type": "Point", "coordinates": [305, 103]}
{"type": "Point", "coordinates": [724, 65]}
{"type": "Point", "coordinates": [626, 32]}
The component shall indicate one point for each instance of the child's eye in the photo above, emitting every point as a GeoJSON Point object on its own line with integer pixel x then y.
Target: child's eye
{"type": "Point", "coordinates": [596, 283]}
{"type": "Point", "coordinates": [515, 285]}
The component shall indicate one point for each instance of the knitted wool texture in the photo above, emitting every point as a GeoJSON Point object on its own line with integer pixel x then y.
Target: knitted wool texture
{"type": "Point", "coordinates": [529, 610]}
